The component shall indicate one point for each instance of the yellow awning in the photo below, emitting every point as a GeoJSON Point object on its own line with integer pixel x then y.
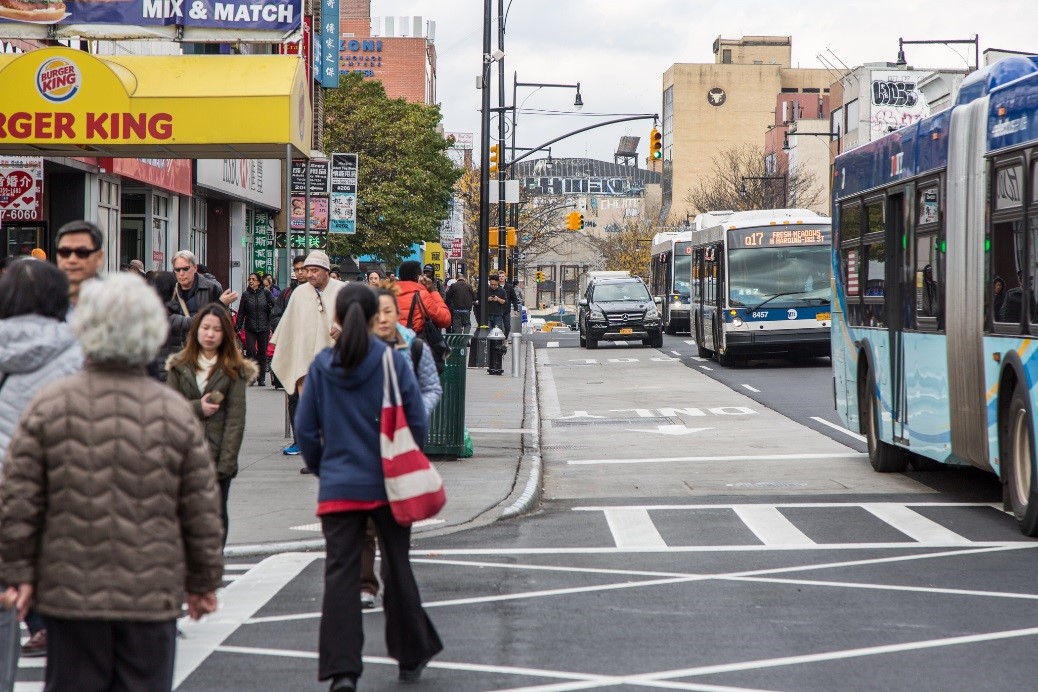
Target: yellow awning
{"type": "Point", "coordinates": [63, 102]}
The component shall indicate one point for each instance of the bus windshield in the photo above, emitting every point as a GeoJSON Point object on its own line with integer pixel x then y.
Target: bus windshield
{"type": "Point", "coordinates": [683, 269]}
{"type": "Point", "coordinates": [780, 276]}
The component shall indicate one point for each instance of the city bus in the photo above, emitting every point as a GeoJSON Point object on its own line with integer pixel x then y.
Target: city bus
{"type": "Point", "coordinates": [670, 271]}
{"type": "Point", "coordinates": [760, 286]}
{"type": "Point", "coordinates": [934, 259]}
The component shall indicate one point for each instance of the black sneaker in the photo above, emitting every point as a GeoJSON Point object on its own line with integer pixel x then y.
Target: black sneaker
{"type": "Point", "coordinates": [409, 675]}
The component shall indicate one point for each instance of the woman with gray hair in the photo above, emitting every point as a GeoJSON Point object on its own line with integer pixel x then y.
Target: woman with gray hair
{"type": "Point", "coordinates": [109, 510]}
{"type": "Point", "coordinates": [36, 347]}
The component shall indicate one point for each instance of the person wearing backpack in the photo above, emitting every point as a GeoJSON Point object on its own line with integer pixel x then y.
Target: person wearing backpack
{"type": "Point", "coordinates": [422, 309]}
{"type": "Point", "coordinates": [388, 328]}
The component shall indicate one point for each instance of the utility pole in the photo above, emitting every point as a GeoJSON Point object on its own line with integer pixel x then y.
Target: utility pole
{"type": "Point", "coordinates": [478, 350]}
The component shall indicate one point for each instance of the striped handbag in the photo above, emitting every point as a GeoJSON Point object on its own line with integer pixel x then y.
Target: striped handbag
{"type": "Point", "coordinates": [414, 487]}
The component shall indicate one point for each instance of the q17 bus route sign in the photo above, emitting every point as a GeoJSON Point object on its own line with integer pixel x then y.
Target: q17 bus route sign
{"type": "Point", "coordinates": [778, 237]}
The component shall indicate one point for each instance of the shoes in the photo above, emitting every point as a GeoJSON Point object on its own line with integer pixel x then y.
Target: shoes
{"type": "Point", "coordinates": [413, 674]}
{"type": "Point", "coordinates": [36, 647]}
{"type": "Point", "coordinates": [343, 683]}
{"type": "Point", "coordinates": [291, 451]}
{"type": "Point", "coordinates": [261, 383]}
{"type": "Point", "coordinates": [367, 600]}
{"type": "Point", "coordinates": [305, 470]}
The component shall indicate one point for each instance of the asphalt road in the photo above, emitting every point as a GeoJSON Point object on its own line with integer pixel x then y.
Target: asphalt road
{"type": "Point", "coordinates": [695, 535]}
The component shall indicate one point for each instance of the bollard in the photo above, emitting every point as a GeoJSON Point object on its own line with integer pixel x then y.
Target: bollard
{"type": "Point", "coordinates": [495, 352]}
{"type": "Point", "coordinates": [515, 353]}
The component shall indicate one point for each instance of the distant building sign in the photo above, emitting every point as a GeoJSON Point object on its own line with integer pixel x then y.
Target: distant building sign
{"type": "Point", "coordinates": [578, 186]}
{"type": "Point", "coordinates": [360, 55]}
{"type": "Point", "coordinates": [21, 188]}
{"type": "Point", "coordinates": [895, 101]}
{"type": "Point", "coordinates": [716, 96]}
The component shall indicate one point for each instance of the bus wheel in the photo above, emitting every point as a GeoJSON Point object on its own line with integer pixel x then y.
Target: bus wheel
{"type": "Point", "coordinates": [924, 464]}
{"type": "Point", "coordinates": [725, 360]}
{"type": "Point", "coordinates": [885, 458]}
{"type": "Point", "coordinates": [1018, 462]}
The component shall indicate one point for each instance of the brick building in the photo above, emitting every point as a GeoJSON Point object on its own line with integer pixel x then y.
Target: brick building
{"type": "Point", "coordinates": [398, 51]}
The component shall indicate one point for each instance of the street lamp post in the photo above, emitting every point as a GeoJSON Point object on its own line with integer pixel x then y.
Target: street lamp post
{"type": "Point", "coordinates": [901, 61]}
{"type": "Point", "coordinates": [478, 351]}
{"type": "Point", "coordinates": [830, 135]}
{"type": "Point", "coordinates": [783, 178]}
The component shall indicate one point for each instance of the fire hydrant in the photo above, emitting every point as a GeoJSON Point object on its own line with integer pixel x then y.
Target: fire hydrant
{"type": "Point", "coordinates": [495, 352]}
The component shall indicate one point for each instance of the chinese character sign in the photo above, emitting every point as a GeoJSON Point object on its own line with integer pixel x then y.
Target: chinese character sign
{"type": "Point", "coordinates": [21, 188]}
{"type": "Point", "coordinates": [343, 215]}
{"type": "Point", "coordinates": [263, 249]}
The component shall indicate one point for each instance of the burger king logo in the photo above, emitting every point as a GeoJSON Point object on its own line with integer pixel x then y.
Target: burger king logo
{"type": "Point", "coordinates": [58, 80]}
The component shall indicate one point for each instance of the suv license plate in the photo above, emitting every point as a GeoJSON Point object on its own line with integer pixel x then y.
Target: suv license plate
{"type": "Point", "coordinates": [626, 330]}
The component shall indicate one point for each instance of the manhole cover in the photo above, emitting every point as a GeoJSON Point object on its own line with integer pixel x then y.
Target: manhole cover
{"type": "Point", "coordinates": [768, 484]}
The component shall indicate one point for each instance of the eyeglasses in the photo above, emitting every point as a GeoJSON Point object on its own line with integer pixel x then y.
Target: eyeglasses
{"type": "Point", "coordinates": [182, 270]}
{"type": "Point", "coordinates": [80, 252]}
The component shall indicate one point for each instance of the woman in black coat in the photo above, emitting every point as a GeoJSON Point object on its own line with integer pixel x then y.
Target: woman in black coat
{"type": "Point", "coordinates": [254, 312]}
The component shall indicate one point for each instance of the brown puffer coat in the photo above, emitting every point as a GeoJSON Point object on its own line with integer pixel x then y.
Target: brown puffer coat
{"type": "Point", "coordinates": [109, 502]}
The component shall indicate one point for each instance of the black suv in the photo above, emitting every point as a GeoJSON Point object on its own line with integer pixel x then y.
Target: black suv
{"type": "Point", "coordinates": [618, 309]}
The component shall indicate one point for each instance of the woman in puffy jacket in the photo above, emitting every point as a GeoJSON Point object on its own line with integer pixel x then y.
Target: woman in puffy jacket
{"type": "Point", "coordinates": [36, 347]}
{"type": "Point", "coordinates": [254, 312]}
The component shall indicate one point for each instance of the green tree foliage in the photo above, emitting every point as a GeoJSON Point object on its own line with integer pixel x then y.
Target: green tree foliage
{"type": "Point", "coordinates": [404, 178]}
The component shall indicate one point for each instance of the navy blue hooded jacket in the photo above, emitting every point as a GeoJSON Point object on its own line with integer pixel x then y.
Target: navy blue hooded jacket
{"type": "Point", "coordinates": [337, 422]}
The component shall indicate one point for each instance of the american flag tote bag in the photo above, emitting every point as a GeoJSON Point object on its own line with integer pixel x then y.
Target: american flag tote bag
{"type": "Point", "coordinates": [414, 487]}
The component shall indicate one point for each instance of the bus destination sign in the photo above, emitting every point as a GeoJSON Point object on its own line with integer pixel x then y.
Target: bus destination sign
{"type": "Point", "coordinates": [778, 237]}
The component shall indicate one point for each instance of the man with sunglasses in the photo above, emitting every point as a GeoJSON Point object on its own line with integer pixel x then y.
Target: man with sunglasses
{"type": "Point", "coordinates": [306, 328]}
{"type": "Point", "coordinates": [194, 290]}
{"type": "Point", "coordinates": [80, 255]}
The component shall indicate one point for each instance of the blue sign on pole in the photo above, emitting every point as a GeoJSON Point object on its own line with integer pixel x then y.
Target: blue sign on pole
{"type": "Point", "coordinates": [329, 78]}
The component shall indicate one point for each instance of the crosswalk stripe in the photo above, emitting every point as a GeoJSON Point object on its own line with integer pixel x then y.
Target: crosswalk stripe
{"type": "Point", "coordinates": [690, 342]}
{"type": "Point", "coordinates": [633, 528]}
{"type": "Point", "coordinates": [28, 687]}
{"type": "Point", "coordinates": [552, 344]}
{"type": "Point", "coordinates": [771, 526]}
{"type": "Point", "coordinates": [914, 525]}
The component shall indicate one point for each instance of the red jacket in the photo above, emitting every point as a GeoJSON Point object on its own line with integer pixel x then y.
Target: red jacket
{"type": "Point", "coordinates": [432, 301]}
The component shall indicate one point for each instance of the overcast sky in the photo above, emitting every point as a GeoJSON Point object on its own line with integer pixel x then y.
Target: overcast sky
{"type": "Point", "coordinates": [618, 50]}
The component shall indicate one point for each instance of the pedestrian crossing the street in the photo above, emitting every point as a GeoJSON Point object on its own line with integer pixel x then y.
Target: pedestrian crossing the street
{"type": "Point", "coordinates": [809, 525]}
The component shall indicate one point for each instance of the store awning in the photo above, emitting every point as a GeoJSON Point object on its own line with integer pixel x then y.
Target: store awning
{"type": "Point", "coordinates": [63, 102]}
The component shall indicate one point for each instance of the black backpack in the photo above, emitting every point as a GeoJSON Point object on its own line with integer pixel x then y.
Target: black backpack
{"type": "Point", "coordinates": [430, 333]}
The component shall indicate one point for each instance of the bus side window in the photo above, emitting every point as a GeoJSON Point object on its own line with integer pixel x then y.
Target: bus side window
{"type": "Point", "coordinates": [927, 280]}
{"type": "Point", "coordinates": [875, 275]}
{"type": "Point", "coordinates": [1007, 261]}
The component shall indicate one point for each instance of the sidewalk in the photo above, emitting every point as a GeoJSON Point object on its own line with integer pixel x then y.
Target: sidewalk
{"type": "Point", "coordinates": [272, 506]}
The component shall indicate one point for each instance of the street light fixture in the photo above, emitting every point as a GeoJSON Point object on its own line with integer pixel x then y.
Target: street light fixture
{"type": "Point", "coordinates": [783, 178]}
{"type": "Point", "coordinates": [901, 61]}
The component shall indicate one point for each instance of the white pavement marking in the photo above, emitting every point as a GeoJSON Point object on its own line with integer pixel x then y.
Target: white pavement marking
{"type": "Point", "coordinates": [690, 342]}
{"type": "Point", "coordinates": [791, 505]}
{"type": "Point", "coordinates": [521, 431]}
{"type": "Point", "coordinates": [28, 687]}
{"type": "Point", "coordinates": [758, 457]}
{"type": "Point", "coordinates": [676, 353]}
{"type": "Point", "coordinates": [845, 431]}
{"type": "Point", "coordinates": [306, 527]}
{"type": "Point", "coordinates": [704, 367]}
{"type": "Point", "coordinates": [671, 430]}
{"type": "Point", "coordinates": [24, 662]}
{"type": "Point", "coordinates": [633, 528]}
{"type": "Point", "coordinates": [752, 389]}
{"type": "Point", "coordinates": [239, 602]}
{"type": "Point", "coordinates": [891, 587]}
{"type": "Point", "coordinates": [239, 567]}
{"type": "Point", "coordinates": [546, 388]}
{"type": "Point", "coordinates": [914, 525]}
{"type": "Point", "coordinates": [770, 525]}
{"type": "Point", "coordinates": [552, 344]}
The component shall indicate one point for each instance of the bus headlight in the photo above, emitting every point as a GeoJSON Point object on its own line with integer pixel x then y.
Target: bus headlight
{"type": "Point", "coordinates": [737, 322]}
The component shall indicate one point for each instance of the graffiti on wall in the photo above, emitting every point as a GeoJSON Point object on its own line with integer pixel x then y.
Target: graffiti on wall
{"type": "Point", "coordinates": [896, 101]}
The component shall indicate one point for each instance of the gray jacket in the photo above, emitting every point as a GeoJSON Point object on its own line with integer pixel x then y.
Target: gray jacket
{"type": "Point", "coordinates": [34, 351]}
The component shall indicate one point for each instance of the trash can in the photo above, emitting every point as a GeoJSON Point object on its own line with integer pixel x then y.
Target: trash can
{"type": "Point", "coordinates": [447, 424]}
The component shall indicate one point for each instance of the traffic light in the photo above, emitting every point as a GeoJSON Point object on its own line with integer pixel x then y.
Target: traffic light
{"type": "Point", "coordinates": [492, 234]}
{"type": "Point", "coordinates": [580, 221]}
{"type": "Point", "coordinates": [540, 277]}
{"type": "Point", "coordinates": [573, 220]}
{"type": "Point", "coordinates": [655, 144]}
{"type": "Point", "coordinates": [511, 236]}
{"type": "Point", "coordinates": [495, 150]}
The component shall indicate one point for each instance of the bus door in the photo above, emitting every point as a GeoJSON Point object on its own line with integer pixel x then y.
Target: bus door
{"type": "Point", "coordinates": [695, 299]}
{"type": "Point", "coordinates": [899, 306]}
{"type": "Point", "coordinates": [714, 297]}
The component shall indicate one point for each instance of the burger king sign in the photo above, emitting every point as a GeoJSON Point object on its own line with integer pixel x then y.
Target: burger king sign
{"type": "Point", "coordinates": [58, 80]}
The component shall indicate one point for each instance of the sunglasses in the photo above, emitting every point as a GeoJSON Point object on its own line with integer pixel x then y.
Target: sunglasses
{"type": "Point", "coordinates": [80, 252]}
{"type": "Point", "coordinates": [182, 270]}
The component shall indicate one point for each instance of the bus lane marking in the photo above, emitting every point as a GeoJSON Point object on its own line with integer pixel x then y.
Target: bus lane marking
{"type": "Point", "coordinates": [705, 367]}
{"type": "Point", "coordinates": [834, 426]}
{"type": "Point", "coordinates": [770, 525]}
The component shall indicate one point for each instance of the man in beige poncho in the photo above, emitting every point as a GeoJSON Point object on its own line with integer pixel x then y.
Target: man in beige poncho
{"type": "Point", "coordinates": [307, 328]}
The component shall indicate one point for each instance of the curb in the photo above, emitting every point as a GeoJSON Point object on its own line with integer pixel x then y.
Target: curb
{"type": "Point", "coordinates": [531, 496]}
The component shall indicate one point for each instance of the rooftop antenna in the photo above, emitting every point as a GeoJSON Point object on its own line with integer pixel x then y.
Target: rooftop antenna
{"type": "Point", "coordinates": [833, 72]}
{"type": "Point", "coordinates": [838, 59]}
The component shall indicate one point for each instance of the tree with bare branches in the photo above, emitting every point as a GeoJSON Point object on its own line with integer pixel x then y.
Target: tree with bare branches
{"type": "Point", "coordinates": [745, 168]}
{"type": "Point", "coordinates": [628, 247]}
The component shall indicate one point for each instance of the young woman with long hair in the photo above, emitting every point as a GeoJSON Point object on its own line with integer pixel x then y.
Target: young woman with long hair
{"type": "Point", "coordinates": [211, 374]}
{"type": "Point", "coordinates": [338, 427]}
{"type": "Point", "coordinates": [254, 312]}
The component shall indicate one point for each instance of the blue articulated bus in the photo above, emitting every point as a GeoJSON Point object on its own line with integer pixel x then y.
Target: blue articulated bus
{"type": "Point", "coordinates": [935, 257]}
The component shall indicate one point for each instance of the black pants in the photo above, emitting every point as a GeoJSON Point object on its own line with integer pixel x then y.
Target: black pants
{"type": "Point", "coordinates": [225, 490]}
{"type": "Point", "coordinates": [410, 635]}
{"type": "Point", "coordinates": [256, 348]}
{"type": "Point", "coordinates": [109, 655]}
{"type": "Point", "coordinates": [293, 403]}
{"type": "Point", "coordinates": [460, 323]}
